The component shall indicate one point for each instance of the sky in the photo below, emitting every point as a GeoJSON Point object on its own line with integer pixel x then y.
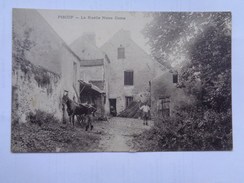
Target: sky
{"type": "Point", "coordinates": [70, 25]}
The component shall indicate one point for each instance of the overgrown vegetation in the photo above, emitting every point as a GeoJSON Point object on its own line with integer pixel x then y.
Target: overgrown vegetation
{"type": "Point", "coordinates": [188, 132]}
{"type": "Point", "coordinates": [40, 117]}
{"type": "Point", "coordinates": [22, 45]}
{"type": "Point", "coordinates": [203, 40]}
{"type": "Point", "coordinates": [42, 78]}
{"type": "Point", "coordinates": [44, 133]}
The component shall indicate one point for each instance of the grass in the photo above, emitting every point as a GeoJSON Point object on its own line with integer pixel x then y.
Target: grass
{"type": "Point", "coordinates": [214, 133]}
{"type": "Point", "coordinates": [49, 135]}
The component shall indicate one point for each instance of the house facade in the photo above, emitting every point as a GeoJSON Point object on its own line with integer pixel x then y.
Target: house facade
{"type": "Point", "coordinates": [111, 76]}
{"type": "Point", "coordinates": [131, 70]}
{"type": "Point", "coordinates": [36, 73]}
{"type": "Point", "coordinates": [92, 72]}
{"type": "Point", "coordinates": [166, 95]}
{"type": "Point", "coordinates": [50, 68]}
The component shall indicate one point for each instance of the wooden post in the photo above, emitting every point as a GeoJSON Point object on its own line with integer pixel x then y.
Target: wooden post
{"type": "Point", "coordinates": [76, 93]}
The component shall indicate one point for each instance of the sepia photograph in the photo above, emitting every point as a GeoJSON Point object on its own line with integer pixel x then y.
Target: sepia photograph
{"type": "Point", "coordinates": [117, 81]}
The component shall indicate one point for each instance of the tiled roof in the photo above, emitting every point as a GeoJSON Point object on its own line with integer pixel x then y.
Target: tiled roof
{"type": "Point", "coordinates": [91, 86]}
{"type": "Point", "coordinates": [99, 83]}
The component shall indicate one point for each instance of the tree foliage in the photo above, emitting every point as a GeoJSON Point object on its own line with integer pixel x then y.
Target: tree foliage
{"type": "Point", "coordinates": [22, 44]}
{"type": "Point", "coordinates": [210, 65]}
{"type": "Point", "coordinates": [198, 46]}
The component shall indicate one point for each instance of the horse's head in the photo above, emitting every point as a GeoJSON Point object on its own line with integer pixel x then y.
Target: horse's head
{"type": "Point", "coordinates": [92, 109]}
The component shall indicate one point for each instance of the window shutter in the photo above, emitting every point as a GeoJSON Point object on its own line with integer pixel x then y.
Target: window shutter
{"type": "Point", "coordinates": [128, 78]}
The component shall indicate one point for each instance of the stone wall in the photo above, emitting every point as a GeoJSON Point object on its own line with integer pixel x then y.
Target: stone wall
{"type": "Point", "coordinates": [34, 88]}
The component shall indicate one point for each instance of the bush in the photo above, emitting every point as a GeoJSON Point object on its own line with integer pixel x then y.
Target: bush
{"type": "Point", "coordinates": [209, 132]}
{"type": "Point", "coordinates": [196, 132]}
{"type": "Point", "coordinates": [42, 78]}
{"type": "Point", "coordinates": [41, 117]}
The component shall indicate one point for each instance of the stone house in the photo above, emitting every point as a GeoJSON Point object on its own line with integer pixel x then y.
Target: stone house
{"type": "Point", "coordinates": [113, 75]}
{"type": "Point", "coordinates": [92, 72]}
{"type": "Point", "coordinates": [36, 70]}
{"type": "Point", "coordinates": [50, 67]}
{"type": "Point", "coordinates": [131, 70]}
{"type": "Point", "coordinates": [166, 96]}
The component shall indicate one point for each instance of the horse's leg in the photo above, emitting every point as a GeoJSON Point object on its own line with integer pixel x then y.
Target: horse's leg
{"type": "Point", "coordinates": [88, 121]}
{"type": "Point", "coordinates": [91, 121]}
{"type": "Point", "coordinates": [82, 120]}
{"type": "Point", "coordinates": [73, 119]}
{"type": "Point", "coordinates": [78, 119]}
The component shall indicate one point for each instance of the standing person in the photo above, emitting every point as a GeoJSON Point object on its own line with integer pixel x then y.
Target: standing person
{"type": "Point", "coordinates": [145, 113]}
{"type": "Point", "coordinates": [113, 111]}
{"type": "Point", "coordinates": [91, 116]}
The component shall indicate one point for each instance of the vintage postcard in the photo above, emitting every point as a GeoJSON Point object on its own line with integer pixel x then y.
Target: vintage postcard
{"type": "Point", "coordinates": [104, 81]}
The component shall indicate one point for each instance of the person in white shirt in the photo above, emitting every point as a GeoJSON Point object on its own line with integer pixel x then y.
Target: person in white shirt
{"type": "Point", "coordinates": [145, 113]}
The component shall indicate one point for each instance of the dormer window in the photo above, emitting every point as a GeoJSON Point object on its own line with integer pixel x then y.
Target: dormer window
{"type": "Point", "coordinates": [175, 78]}
{"type": "Point", "coordinates": [121, 52]}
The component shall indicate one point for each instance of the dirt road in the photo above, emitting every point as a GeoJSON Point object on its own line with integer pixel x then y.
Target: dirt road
{"type": "Point", "coordinates": [118, 133]}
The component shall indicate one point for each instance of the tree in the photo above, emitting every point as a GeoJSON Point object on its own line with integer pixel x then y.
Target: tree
{"type": "Point", "coordinates": [170, 35]}
{"type": "Point", "coordinates": [210, 63]}
{"type": "Point", "coordinates": [199, 46]}
{"type": "Point", "coordinates": [22, 44]}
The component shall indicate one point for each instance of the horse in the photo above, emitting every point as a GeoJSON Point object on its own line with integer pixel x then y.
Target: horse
{"type": "Point", "coordinates": [82, 111]}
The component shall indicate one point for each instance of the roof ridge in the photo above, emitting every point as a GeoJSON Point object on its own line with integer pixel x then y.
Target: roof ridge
{"type": "Point", "coordinates": [59, 37]}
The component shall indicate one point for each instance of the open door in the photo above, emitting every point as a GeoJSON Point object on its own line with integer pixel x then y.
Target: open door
{"type": "Point", "coordinates": [112, 106]}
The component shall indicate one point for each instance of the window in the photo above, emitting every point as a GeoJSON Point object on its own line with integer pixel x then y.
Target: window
{"type": "Point", "coordinates": [175, 78]}
{"type": "Point", "coordinates": [165, 103]}
{"type": "Point", "coordinates": [128, 101]}
{"type": "Point", "coordinates": [121, 52]}
{"type": "Point", "coordinates": [128, 78]}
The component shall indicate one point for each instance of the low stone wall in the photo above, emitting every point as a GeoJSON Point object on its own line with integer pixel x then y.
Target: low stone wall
{"type": "Point", "coordinates": [34, 88]}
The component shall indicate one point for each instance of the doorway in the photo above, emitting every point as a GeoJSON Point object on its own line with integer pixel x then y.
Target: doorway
{"type": "Point", "coordinates": [128, 100]}
{"type": "Point", "coordinates": [112, 106]}
{"type": "Point", "coordinates": [165, 103]}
